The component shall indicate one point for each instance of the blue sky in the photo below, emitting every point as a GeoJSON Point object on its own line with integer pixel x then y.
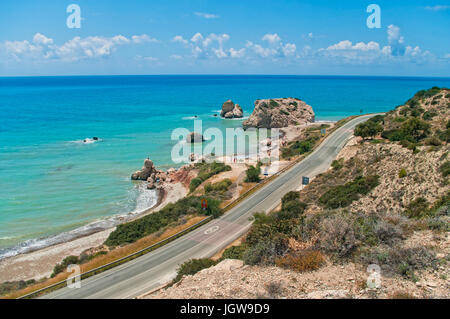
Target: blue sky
{"type": "Point", "coordinates": [225, 37]}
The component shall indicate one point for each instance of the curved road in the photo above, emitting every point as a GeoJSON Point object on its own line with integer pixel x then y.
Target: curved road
{"type": "Point", "coordinates": [150, 271]}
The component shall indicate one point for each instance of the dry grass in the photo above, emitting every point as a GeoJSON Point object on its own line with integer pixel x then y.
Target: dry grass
{"type": "Point", "coordinates": [302, 262]}
{"type": "Point", "coordinates": [401, 295]}
{"type": "Point", "coordinates": [111, 256]}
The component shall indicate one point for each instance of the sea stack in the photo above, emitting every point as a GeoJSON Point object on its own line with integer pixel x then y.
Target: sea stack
{"type": "Point", "coordinates": [145, 171]}
{"type": "Point", "coordinates": [277, 113]}
{"type": "Point", "coordinates": [231, 110]}
{"type": "Point", "coordinates": [194, 137]}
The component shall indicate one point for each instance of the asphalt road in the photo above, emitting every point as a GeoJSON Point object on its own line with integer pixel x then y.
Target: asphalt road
{"type": "Point", "coordinates": [150, 271]}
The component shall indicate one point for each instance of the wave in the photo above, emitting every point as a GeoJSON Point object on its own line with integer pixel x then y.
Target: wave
{"type": "Point", "coordinates": [191, 118]}
{"type": "Point", "coordinates": [88, 140]}
{"type": "Point", "coordinates": [145, 200]}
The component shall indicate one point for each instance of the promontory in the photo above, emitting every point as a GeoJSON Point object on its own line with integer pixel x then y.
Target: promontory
{"type": "Point", "coordinates": [277, 113]}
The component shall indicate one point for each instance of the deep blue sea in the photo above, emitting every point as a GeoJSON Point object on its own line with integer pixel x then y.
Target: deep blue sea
{"type": "Point", "coordinates": [54, 187]}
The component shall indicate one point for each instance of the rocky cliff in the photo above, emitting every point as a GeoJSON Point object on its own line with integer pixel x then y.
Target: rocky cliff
{"type": "Point", "coordinates": [276, 113]}
{"type": "Point", "coordinates": [231, 110]}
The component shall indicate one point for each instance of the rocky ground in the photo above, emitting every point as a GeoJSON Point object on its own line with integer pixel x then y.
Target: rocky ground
{"type": "Point", "coordinates": [232, 279]}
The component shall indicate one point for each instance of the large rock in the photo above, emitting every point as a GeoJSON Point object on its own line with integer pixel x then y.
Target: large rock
{"type": "Point", "coordinates": [194, 137]}
{"type": "Point", "coordinates": [231, 110]}
{"type": "Point", "coordinates": [145, 171]}
{"type": "Point", "coordinates": [277, 113]}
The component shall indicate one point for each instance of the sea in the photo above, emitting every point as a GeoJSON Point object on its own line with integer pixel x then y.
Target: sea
{"type": "Point", "coordinates": [57, 183]}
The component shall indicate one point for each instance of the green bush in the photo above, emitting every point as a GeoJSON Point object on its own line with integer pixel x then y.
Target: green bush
{"type": "Point", "coordinates": [415, 129]}
{"type": "Point", "coordinates": [402, 173]}
{"type": "Point", "coordinates": [192, 267]}
{"type": "Point", "coordinates": [252, 175]}
{"type": "Point", "coordinates": [149, 224]}
{"type": "Point", "coordinates": [206, 170]}
{"type": "Point", "coordinates": [234, 252]}
{"type": "Point", "coordinates": [299, 147]}
{"type": "Point", "coordinates": [69, 260]}
{"type": "Point", "coordinates": [417, 208]}
{"type": "Point", "coordinates": [273, 104]}
{"type": "Point", "coordinates": [344, 195]}
{"type": "Point", "coordinates": [337, 164]}
{"type": "Point", "coordinates": [368, 129]}
{"type": "Point", "coordinates": [445, 169]}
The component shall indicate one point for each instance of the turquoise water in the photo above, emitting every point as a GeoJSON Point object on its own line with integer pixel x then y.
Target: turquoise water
{"type": "Point", "coordinates": [51, 183]}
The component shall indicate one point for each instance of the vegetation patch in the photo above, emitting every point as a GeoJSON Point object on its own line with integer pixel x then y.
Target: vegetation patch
{"type": "Point", "coordinates": [192, 267]}
{"type": "Point", "coordinates": [207, 170]}
{"type": "Point", "coordinates": [343, 195]}
{"type": "Point", "coordinates": [302, 262]}
{"type": "Point", "coordinates": [299, 147]}
{"type": "Point", "coordinates": [149, 224]}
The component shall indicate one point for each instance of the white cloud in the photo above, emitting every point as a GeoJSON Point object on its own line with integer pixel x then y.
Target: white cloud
{"type": "Point", "coordinates": [236, 54]}
{"type": "Point", "coordinates": [370, 52]}
{"type": "Point", "coordinates": [396, 41]}
{"type": "Point", "coordinates": [206, 15]}
{"type": "Point", "coordinates": [271, 38]}
{"type": "Point", "coordinates": [210, 46]}
{"type": "Point", "coordinates": [180, 39]}
{"type": "Point", "coordinates": [43, 48]}
{"type": "Point", "coordinates": [143, 38]}
{"type": "Point", "coordinates": [42, 39]}
{"type": "Point", "coordinates": [276, 48]}
{"type": "Point", "coordinates": [437, 8]}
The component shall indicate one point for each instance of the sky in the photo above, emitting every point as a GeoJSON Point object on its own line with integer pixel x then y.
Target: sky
{"type": "Point", "coordinates": [317, 37]}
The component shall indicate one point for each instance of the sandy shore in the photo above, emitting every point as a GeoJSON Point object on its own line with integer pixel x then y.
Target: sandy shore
{"type": "Point", "coordinates": [40, 263]}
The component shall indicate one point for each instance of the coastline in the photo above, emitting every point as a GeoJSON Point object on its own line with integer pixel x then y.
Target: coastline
{"type": "Point", "coordinates": [39, 263]}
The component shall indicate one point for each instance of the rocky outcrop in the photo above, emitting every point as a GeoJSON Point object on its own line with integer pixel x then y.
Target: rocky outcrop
{"type": "Point", "coordinates": [145, 171]}
{"type": "Point", "coordinates": [277, 113]}
{"type": "Point", "coordinates": [194, 137]}
{"type": "Point", "coordinates": [231, 110]}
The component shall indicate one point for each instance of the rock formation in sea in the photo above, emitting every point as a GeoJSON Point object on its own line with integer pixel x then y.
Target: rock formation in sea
{"type": "Point", "coordinates": [231, 110]}
{"type": "Point", "coordinates": [157, 178]}
{"type": "Point", "coordinates": [276, 113]}
{"type": "Point", "coordinates": [194, 137]}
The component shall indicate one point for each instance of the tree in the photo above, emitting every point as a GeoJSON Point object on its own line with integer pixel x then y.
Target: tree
{"type": "Point", "coordinates": [253, 174]}
{"type": "Point", "coordinates": [414, 129]}
{"type": "Point", "coordinates": [368, 129]}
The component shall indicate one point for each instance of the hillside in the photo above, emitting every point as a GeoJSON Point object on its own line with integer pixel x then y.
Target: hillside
{"type": "Point", "coordinates": [385, 201]}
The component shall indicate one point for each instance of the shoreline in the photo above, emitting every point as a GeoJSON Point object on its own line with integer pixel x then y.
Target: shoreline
{"type": "Point", "coordinates": [39, 263]}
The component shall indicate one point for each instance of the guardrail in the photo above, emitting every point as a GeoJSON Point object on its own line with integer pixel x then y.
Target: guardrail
{"type": "Point", "coordinates": [175, 236]}
{"type": "Point", "coordinates": [119, 261]}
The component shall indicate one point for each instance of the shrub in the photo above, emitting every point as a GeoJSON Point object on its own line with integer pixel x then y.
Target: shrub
{"type": "Point", "coordinates": [217, 189]}
{"type": "Point", "coordinates": [337, 164]}
{"type": "Point", "coordinates": [402, 173]}
{"type": "Point", "coordinates": [273, 289]}
{"type": "Point", "coordinates": [428, 115]}
{"type": "Point", "coordinates": [415, 129]}
{"type": "Point", "coordinates": [265, 252]}
{"type": "Point", "coordinates": [302, 262]}
{"type": "Point", "coordinates": [299, 147]}
{"type": "Point", "coordinates": [433, 141]}
{"type": "Point", "coordinates": [234, 252]}
{"type": "Point", "coordinates": [252, 175]}
{"type": "Point", "coordinates": [69, 260]}
{"type": "Point", "coordinates": [195, 182]}
{"type": "Point", "coordinates": [273, 104]}
{"type": "Point", "coordinates": [206, 170]}
{"type": "Point", "coordinates": [149, 224]}
{"type": "Point", "coordinates": [192, 267]}
{"type": "Point", "coordinates": [337, 236]}
{"type": "Point", "coordinates": [402, 261]}
{"type": "Point", "coordinates": [445, 169]}
{"type": "Point", "coordinates": [344, 195]}
{"type": "Point", "coordinates": [417, 208]}
{"type": "Point", "coordinates": [368, 129]}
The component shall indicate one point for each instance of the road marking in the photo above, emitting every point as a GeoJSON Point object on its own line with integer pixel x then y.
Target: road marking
{"type": "Point", "coordinates": [211, 230]}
